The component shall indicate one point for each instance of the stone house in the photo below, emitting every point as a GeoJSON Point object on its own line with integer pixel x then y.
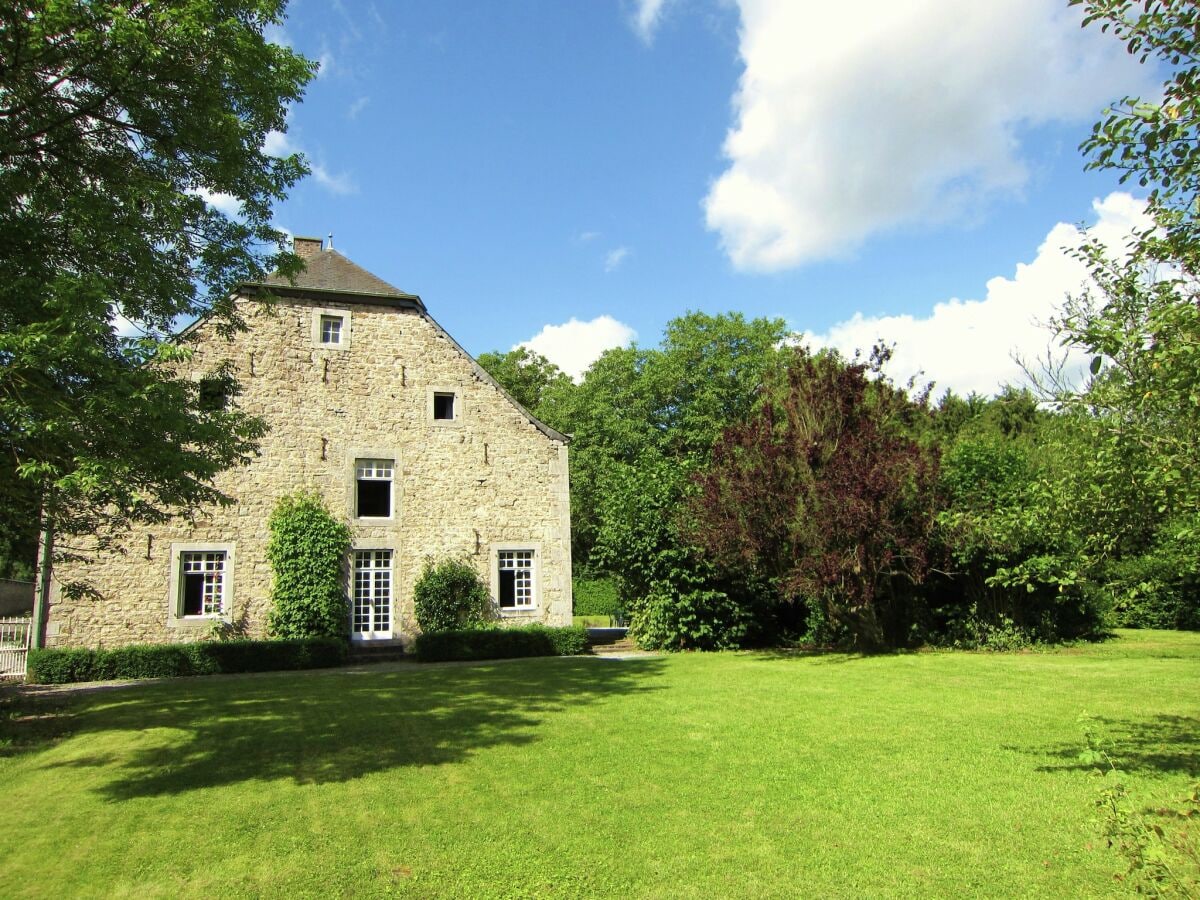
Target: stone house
{"type": "Point", "coordinates": [372, 405]}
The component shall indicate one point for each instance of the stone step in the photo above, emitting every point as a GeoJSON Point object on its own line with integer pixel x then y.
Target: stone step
{"type": "Point", "coordinates": [375, 658]}
{"type": "Point", "coordinates": [602, 637]}
{"type": "Point", "coordinates": [615, 647]}
{"type": "Point", "coordinates": [376, 651]}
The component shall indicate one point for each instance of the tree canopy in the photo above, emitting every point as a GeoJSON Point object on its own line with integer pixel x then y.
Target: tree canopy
{"type": "Point", "coordinates": [119, 121]}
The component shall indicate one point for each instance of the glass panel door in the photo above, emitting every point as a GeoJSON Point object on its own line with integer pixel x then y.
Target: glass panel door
{"type": "Point", "coordinates": [371, 605]}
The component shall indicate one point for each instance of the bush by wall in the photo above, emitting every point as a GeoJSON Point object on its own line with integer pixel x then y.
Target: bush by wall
{"type": "Point", "coordinates": [500, 643]}
{"type": "Point", "coordinates": [63, 666]}
{"type": "Point", "coordinates": [450, 595]}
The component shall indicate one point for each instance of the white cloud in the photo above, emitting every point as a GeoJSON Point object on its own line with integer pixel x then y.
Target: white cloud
{"type": "Point", "coordinates": [223, 203]}
{"type": "Point", "coordinates": [586, 236]}
{"type": "Point", "coordinates": [325, 64]}
{"type": "Point", "coordinates": [856, 118]}
{"type": "Point", "coordinates": [615, 257]}
{"type": "Point", "coordinates": [357, 107]}
{"type": "Point", "coordinates": [575, 345]}
{"type": "Point", "coordinates": [277, 143]}
{"type": "Point", "coordinates": [340, 183]}
{"type": "Point", "coordinates": [647, 16]}
{"type": "Point", "coordinates": [968, 345]}
{"type": "Point", "coordinates": [277, 34]}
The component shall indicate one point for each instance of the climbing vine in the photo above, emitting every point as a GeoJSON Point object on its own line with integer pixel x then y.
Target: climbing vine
{"type": "Point", "coordinates": [307, 550]}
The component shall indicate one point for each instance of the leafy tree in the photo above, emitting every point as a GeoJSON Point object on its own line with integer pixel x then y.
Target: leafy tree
{"type": "Point", "coordinates": [1139, 319]}
{"type": "Point", "coordinates": [531, 379]}
{"type": "Point", "coordinates": [1157, 141]}
{"type": "Point", "coordinates": [823, 496]}
{"type": "Point", "coordinates": [307, 551]}
{"type": "Point", "coordinates": [117, 121]}
{"type": "Point", "coordinates": [669, 402]}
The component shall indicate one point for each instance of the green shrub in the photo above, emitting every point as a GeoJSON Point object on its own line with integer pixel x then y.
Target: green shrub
{"type": "Point", "coordinates": [674, 618]}
{"type": "Point", "coordinates": [596, 597]}
{"type": "Point", "coordinates": [64, 666]}
{"type": "Point", "coordinates": [307, 550]}
{"type": "Point", "coordinates": [59, 666]}
{"type": "Point", "coordinates": [450, 596]}
{"type": "Point", "coordinates": [500, 643]}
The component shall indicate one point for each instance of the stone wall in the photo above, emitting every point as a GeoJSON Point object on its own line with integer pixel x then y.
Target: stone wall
{"type": "Point", "coordinates": [489, 478]}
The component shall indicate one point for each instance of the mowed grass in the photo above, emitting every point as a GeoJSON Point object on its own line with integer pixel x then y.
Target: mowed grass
{"type": "Point", "coordinates": [731, 775]}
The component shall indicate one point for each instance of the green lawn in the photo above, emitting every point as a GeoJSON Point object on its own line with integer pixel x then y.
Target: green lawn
{"type": "Point", "coordinates": [927, 774]}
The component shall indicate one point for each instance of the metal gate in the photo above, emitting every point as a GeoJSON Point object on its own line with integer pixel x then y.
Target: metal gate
{"type": "Point", "coordinates": [15, 635]}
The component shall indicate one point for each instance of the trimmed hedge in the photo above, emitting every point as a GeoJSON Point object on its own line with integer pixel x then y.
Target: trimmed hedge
{"type": "Point", "coordinates": [501, 643]}
{"type": "Point", "coordinates": [63, 666]}
{"type": "Point", "coordinates": [596, 597]}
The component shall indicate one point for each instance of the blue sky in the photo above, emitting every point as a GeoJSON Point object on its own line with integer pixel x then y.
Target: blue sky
{"type": "Point", "coordinates": [521, 165]}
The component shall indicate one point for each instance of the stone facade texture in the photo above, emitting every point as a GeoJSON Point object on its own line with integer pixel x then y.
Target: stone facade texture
{"type": "Point", "coordinates": [491, 478]}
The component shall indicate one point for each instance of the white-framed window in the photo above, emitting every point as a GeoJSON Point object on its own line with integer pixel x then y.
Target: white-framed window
{"type": "Point", "coordinates": [373, 488]}
{"type": "Point", "coordinates": [200, 587]}
{"type": "Point", "coordinates": [371, 604]}
{"type": "Point", "coordinates": [203, 583]}
{"type": "Point", "coordinates": [516, 573]}
{"type": "Point", "coordinates": [331, 328]}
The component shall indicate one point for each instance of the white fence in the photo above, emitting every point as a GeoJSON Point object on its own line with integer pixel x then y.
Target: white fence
{"type": "Point", "coordinates": [15, 635]}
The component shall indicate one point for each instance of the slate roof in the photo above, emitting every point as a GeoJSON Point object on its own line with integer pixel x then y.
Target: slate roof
{"type": "Point", "coordinates": [328, 272]}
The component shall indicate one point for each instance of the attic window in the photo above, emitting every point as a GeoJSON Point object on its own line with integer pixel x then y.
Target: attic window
{"type": "Point", "coordinates": [443, 406]}
{"type": "Point", "coordinates": [331, 330]}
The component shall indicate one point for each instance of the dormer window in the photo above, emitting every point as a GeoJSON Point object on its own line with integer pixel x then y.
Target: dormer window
{"type": "Point", "coordinates": [331, 329]}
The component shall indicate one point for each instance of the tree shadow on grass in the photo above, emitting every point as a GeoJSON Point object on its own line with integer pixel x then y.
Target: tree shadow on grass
{"type": "Point", "coordinates": [29, 723]}
{"type": "Point", "coordinates": [1160, 744]}
{"type": "Point", "coordinates": [336, 726]}
{"type": "Point", "coordinates": [824, 655]}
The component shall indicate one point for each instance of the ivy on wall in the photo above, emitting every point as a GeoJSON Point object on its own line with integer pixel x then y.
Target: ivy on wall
{"type": "Point", "coordinates": [307, 550]}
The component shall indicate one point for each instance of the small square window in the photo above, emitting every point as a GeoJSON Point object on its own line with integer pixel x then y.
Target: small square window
{"type": "Point", "coordinates": [214, 392]}
{"type": "Point", "coordinates": [443, 406]}
{"type": "Point", "coordinates": [515, 579]}
{"type": "Point", "coordinates": [373, 488]}
{"type": "Point", "coordinates": [331, 330]}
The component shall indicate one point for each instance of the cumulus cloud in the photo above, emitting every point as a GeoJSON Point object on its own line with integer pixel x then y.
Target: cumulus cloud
{"type": "Point", "coordinates": [646, 17]}
{"type": "Point", "coordinates": [969, 345]}
{"type": "Point", "coordinates": [223, 203]}
{"type": "Point", "coordinates": [615, 257]}
{"type": "Point", "coordinates": [856, 118]}
{"type": "Point", "coordinates": [277, 143]}
{"type": "Point", "coordinates": [575, 345]}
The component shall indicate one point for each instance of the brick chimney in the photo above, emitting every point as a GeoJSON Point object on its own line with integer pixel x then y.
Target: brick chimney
{"type": "Point", "coordinates": [307, 247]}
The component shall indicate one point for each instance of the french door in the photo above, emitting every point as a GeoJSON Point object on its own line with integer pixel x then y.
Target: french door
{"type": "Point", "coordinates": [371, 605]}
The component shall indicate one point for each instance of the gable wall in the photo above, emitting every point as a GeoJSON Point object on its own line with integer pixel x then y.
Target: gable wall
{"type": "Point", "coordinates": [462, 488]}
